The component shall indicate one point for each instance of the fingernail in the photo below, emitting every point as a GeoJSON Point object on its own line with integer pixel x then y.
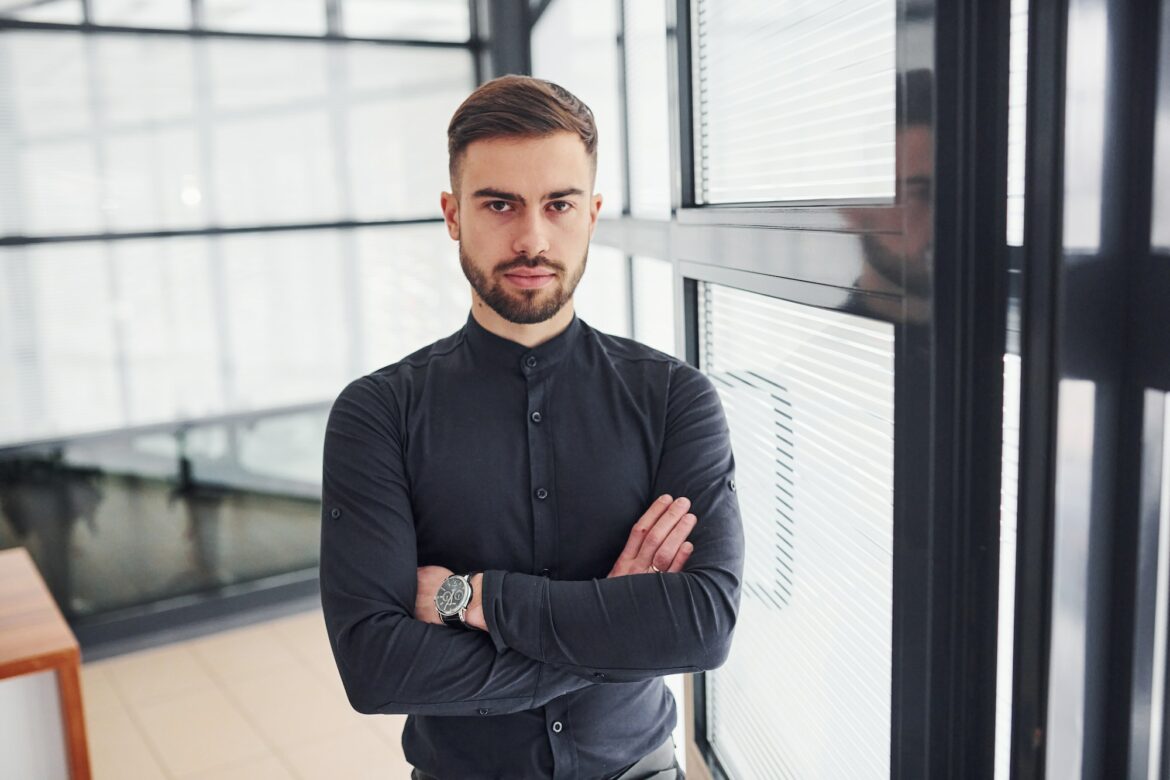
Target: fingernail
{"type": "Point", "coordinates": [665, 499]}
{"type": "Point", "coordinates": [688, 546]}
{"type": "Point", "coordinates": [690, 518]}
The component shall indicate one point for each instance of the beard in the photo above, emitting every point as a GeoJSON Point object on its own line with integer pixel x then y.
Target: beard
{"type": "Point", "coordinates": [914, 278]}
{"type": "Point", "coordinates": [522, 307]}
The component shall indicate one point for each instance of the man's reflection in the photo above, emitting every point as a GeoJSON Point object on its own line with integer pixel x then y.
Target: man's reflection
{"type": "Point", "coordinates": [898, 243]}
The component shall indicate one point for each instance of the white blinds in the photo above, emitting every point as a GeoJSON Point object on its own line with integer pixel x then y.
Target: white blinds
{"type": "Point", "coordinates": [795, 100]}
{"type": "Point", "coordinates": [809, 397]}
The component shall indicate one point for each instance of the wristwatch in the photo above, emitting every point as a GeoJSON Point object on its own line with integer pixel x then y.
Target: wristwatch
{"type": "Point", "coordinates": [453, 598]}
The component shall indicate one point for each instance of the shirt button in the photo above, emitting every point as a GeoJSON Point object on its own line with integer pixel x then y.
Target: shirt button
{"type": "Point", "coordinates": [545, 572]}
{"type": "Point", "coordinates": [483, 711]}
{"type": "Point", "coordinates": [557, 727]}
{"type": "Point", "coordinates": [530, 361]}
{"type": "Point", "coordinates": [599, 675]}
{"type": "Point", "coordinates": [336, 513]}
{"type": "Point", "coordinates": [536, 417]}
{"type": "Point", "coordinates": [731, 485]}
{"type": "Point", "coordinates": [541, 494]}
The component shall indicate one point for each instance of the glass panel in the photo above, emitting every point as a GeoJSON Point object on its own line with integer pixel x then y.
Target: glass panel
{"type": "Point", "coordinates": [124, 520]}
{"type": "Point", "coordinates": [795, 101]}
{"type": "Point", "coordinates": [303, 17]}
{"type": "Point", "coordinates": [180, 328]}
{"type": "Point", "coordinates": [809, 397]}
{"type": "Point", "coordinates": [603, 296]}
{"type": "Point", "coordinates": [433, 20]}
{"type": "Point", "coordinates": [60, 11]}
{"type": "Point", "coordinates": [148, 132]}
{"type": "Point", "coordinates": [1017, 121]}
{"type": "Point", "coordinates": [575, 45]}
{"type": "Point", "coordinates": [142, 13]}
{"type": "Point", "coordinates": [647, 113]}
{"type": "Point", "coordinates": [1160, 238]}
{"type": "Point", "coordinates": [654, 303]}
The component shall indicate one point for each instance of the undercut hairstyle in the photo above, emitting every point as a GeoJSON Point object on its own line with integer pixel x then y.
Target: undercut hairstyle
{"type": "Point", "coordinates": [517, 107]}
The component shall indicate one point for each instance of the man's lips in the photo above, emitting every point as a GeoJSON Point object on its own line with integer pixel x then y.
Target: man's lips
{"type": "Point", "coordinates": [530, 278]}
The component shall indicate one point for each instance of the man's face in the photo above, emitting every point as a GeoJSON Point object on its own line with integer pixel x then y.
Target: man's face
{"type": "Point", "coordinates": [523, 215]}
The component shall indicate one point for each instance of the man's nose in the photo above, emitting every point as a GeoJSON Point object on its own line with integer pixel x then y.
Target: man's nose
{"type": "Point", "coordinates": [531, 237]}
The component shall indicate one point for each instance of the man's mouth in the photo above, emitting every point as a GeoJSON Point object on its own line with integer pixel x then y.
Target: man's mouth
{"type": "Point", "coordinates": [530, 278]}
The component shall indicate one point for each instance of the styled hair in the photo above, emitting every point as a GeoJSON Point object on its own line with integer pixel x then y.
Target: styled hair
{"type": "Point", "coordinates": [517, 107]}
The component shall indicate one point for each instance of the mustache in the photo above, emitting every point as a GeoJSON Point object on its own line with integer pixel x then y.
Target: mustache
{"type": "Point", "coordinates": [530, 262]}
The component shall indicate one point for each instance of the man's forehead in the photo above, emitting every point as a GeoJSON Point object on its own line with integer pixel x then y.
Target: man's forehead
{"type": "Point", "coordinates": [543, 163]}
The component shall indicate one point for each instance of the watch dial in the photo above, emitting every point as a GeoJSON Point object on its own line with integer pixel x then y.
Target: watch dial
{"type": "Point", "coordinates": [450, 596]}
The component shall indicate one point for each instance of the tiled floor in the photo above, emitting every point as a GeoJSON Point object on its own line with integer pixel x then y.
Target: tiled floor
{"type": "Point", "coordinates": [258, 702]}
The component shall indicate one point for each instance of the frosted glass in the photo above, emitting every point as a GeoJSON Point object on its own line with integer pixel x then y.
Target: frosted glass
{"type": "Point", "coordinates": [795, 100]}
{"type": "Point", "coordinates": [575, 45]}
{"type": "Point", "coordinates": [809, 397]}
{"type": "Point", "coordinates": [435, 20]}
{"type": "Point", "coordinates": [647, 112]}
{"type": "Point", "coordinates": [654, 303]}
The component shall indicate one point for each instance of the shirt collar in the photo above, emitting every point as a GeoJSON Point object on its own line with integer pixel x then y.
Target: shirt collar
{"type": "Point", "coordinates": [498, 350]}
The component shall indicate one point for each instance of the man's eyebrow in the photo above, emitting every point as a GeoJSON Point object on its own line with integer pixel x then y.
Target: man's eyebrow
{"type": "Point", "coordinates": [492, 192]}
{"type": "Point", "coordinates": [564, 193]}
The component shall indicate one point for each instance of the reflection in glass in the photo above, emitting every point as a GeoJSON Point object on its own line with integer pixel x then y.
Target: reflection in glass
{"type": "Point", "coordinates": [126, 520]}
{"type": "Point", "coordinates": [809, 397]}
{"type": "Point", "coordinates": [574, 44]}
{"type": "Point", "coordinates": [794, 101]}
{"type": "Point", "coordinates": [1160, 236]}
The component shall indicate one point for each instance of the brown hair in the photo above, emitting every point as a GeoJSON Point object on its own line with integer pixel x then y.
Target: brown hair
{"type": "Point", "coordinates": [517, 106]}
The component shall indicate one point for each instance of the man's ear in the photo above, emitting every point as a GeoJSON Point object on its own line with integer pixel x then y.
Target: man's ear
{"type": "Point", "coordinates": [594, 208]}
{"type": "Point", "coordinates": [450, 206]}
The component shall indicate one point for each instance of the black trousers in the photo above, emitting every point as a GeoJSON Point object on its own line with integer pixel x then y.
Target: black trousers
{"type": "Point", "coordinates": [659, 764]}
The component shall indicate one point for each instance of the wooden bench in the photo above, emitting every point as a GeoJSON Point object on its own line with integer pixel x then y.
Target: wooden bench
{"type": "Point", "coordinates": [34, 637]}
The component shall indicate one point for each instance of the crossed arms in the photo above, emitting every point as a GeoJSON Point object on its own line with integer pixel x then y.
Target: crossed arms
{"type": "Point", "coordinates": [545, 638]}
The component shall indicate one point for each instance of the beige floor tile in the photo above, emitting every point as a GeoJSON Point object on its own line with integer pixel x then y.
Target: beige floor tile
{"type": "Point", "coordinates": [291, 709]}
{"type": "Point", "coordinates": [199, 731]}
{"type": "Point", "coordinates": [118, 750]}
{"type": "Point", "coordinates": [97, 692]}
{"type": "Point", "coordinates": [153, 675]}
{"type": "Point", "coordinates": [306, 638]}
{"type": "Point", "coordinates": [389, 727]}
{"type": "Point", "coordinates": [267, 768]}
{"type": "Point", "coordinates": [245, 652]}
{"type": "Point", "coordinates": [357, 754]}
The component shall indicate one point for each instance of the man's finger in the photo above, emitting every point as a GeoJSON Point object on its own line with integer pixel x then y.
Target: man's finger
{"type": "Point", "coordinates": [654, 538]}
{"type": "Point", "coordinates": [680, 559]}
{"type": "Point", "coordinates": [662, 558]}
{"type": "Point", "coordinates": [644, 524]}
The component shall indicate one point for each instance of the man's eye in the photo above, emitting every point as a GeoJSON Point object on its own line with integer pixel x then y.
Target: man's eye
{"type": "Point", "coordinates": [499, 206]}
{"type": "Point", "coordinates": [560, 206]}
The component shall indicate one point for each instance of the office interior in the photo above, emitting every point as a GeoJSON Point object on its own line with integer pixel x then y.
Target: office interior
{"type": "Point", "coordinates": [921, 248]}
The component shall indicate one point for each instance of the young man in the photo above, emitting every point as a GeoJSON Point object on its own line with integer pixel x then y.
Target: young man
{"type": "Point", "coordinates": [501, 477]}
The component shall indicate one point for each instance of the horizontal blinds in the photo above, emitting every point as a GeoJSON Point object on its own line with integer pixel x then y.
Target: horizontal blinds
{"type": "Point", "coordinates": [1017, 116]}
{"type": "Point", "coordinates": [795, 100]}
{"type": "Point", "coordinates": [809, 397]}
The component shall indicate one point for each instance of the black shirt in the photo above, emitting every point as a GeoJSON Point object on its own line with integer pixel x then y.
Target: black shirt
{"type": "Point", "coordinates": [532, 465]}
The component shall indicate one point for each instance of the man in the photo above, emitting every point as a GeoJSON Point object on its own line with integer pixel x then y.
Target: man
{"type": "Point", "coordinates": [518, 457]}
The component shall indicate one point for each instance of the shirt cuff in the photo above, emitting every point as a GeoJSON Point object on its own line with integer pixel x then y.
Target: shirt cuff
{"type": "Point", "coordinates": [491, 585]}
{"type": "Point", "coordinates": [516, 620]}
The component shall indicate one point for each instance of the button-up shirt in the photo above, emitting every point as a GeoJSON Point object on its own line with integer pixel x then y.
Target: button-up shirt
{"type": "Point", "coordinates": [531, 465]}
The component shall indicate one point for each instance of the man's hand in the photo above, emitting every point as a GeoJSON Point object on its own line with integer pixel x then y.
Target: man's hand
{"type": "Point", "coordinates": [429, 580]}
{"type": "Point", "coordinates": [658, 539]}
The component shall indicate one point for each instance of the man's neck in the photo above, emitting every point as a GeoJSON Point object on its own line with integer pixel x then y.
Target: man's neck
{"type": "Point", "coordinates": [529, 335]}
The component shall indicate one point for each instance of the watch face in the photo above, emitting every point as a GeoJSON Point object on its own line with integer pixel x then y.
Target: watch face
{"type": "Point", "coordinates": [451, 596]}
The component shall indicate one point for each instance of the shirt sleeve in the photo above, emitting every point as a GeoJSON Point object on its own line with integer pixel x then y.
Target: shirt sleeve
{"type": "Point", "coordinates": [644, 625]}
{"type": "Point", "coordinates": [389, 661]}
